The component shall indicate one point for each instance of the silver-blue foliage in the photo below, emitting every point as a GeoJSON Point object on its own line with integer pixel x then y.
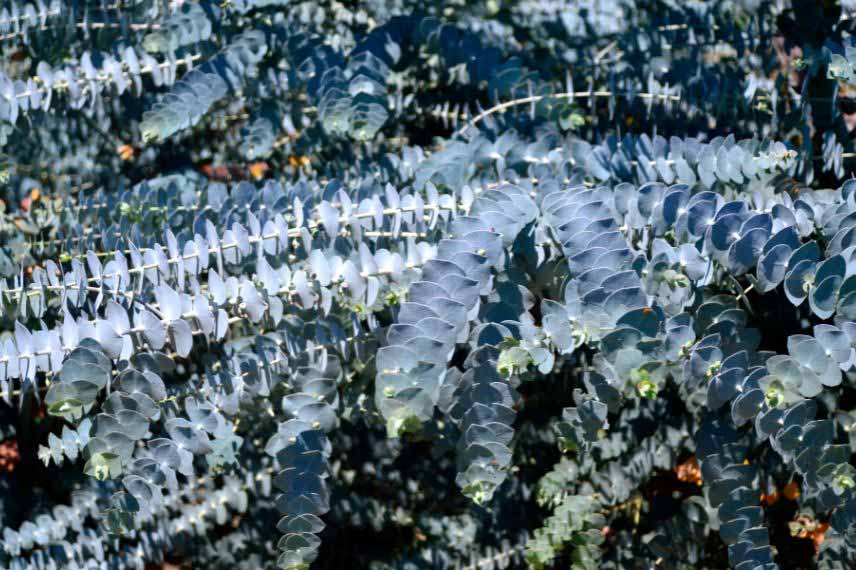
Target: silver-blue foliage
{"type": "Point", "coordinates": [424, 285]}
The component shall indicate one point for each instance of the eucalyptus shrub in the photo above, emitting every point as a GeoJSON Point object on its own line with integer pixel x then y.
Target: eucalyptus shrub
{"type": "Point", "coordinates": [427, 285]}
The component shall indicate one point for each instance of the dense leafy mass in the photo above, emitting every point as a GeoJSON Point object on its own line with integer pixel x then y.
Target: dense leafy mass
{"type": "Point", "coordinates": [428, 285]}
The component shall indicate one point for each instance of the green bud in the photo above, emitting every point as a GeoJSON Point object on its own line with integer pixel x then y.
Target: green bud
{"type": "Point", "coordinates": [480, 492]}
{"type": "Point", "coordinates": [845, 482]}
{"type": "Point", "coordinates": [647, 389]}
{"type": "Point", "coordinates": [713, 369]}
{"type": "Point", "coordinates": [773, 396]}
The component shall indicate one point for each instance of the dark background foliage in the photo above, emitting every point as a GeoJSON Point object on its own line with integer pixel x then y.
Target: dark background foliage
{"type": "Point", "coordinates": [427, 285]}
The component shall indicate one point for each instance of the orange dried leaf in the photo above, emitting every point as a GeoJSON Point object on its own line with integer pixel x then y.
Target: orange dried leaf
{"type": "Point", "coordinates": [216, 172]}
{"type": "Point", "coordinates": [819, 535]}
{"type": "Point", "coordinates": [791, 491]}
{"type": "Point", "coordinates": [803, 526]}
{"type": "Point", "coordinates": [689, 472]}
{"type": "Point", "coordinates": [770, 500]}
{"type": "Point", "coordinates": [9, 455]}
{"type": "Point", "coordinates": [126, 152]}
{"type": "Point", "coordinates": [258, 170]}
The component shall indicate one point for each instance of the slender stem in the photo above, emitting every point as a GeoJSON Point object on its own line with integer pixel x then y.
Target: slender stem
{"type": "Point", "coordinates": [573, 95]}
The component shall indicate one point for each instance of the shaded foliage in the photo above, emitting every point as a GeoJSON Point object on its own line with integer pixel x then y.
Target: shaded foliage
{"type": "Point", "coordinates": [427, 285]}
